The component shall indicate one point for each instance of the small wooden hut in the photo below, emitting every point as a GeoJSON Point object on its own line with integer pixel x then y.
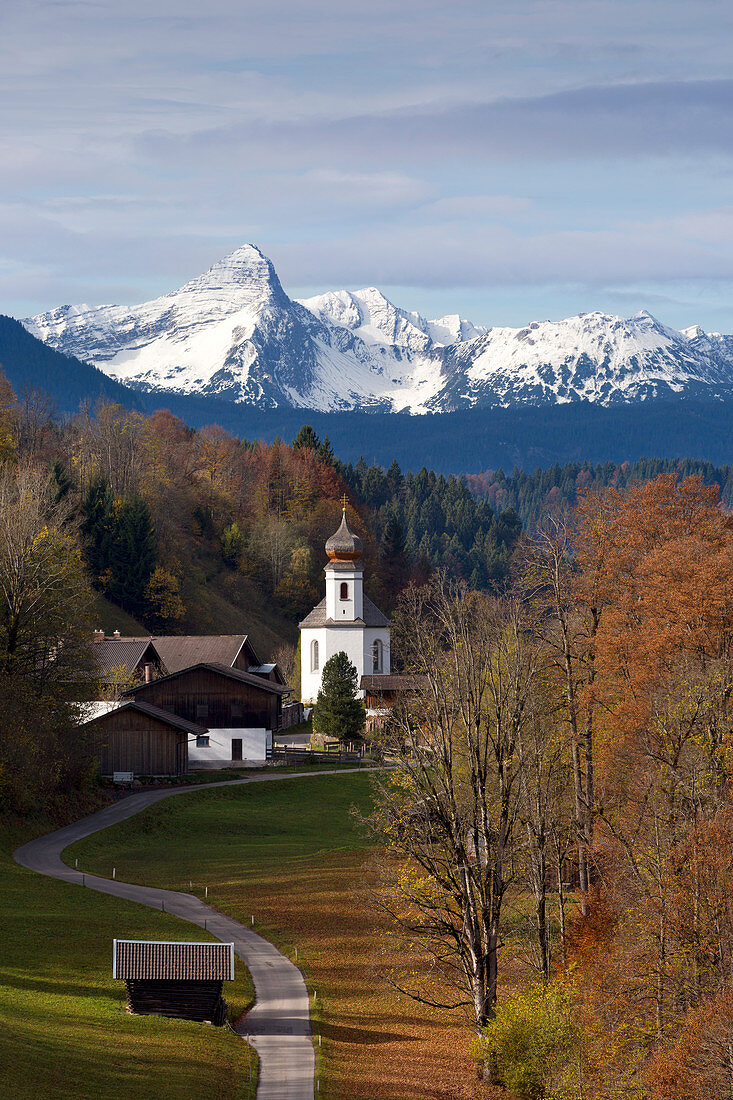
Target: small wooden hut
{"type": "Point", "coordinates": [182, 980]}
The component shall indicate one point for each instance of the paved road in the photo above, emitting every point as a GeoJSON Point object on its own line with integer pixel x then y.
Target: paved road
{"type": "Point", "coordinates": [278, 1026]}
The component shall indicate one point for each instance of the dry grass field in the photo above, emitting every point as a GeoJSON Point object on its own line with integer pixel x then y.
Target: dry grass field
{"type": "Point", "coordinates": [291, 854]}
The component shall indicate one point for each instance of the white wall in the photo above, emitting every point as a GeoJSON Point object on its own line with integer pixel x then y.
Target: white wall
{"type": "Point", "coordinates": [355, 641]}
{"type": "Point", "coordinates": [255, 743]}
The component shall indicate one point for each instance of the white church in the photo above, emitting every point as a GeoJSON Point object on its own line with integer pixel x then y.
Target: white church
{"type": "Point", "coordinates": [345, 619]}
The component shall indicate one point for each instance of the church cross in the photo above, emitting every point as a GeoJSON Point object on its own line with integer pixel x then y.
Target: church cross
{"type": "Point", "coordinates": [344, 501]}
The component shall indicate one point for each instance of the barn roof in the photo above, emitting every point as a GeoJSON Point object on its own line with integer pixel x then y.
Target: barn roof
{"type": "Point", "coordinates": [372, 616]}
{"type": "Point", "coordinates": [148, 709]}
{"type": "Point", "coordinates": [178, 653]}
{"type": "Point", "coordinates": [112, 653]}
{"type": "Point", "coordinates": [221, 670]}
{"type": "Point", "coordinates": [157, 960]}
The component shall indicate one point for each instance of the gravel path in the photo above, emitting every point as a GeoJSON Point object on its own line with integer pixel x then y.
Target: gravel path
{"type": "Point", "coordinates": [278, 1026]}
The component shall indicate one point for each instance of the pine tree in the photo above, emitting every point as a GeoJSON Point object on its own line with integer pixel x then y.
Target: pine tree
{"type": "Point", "coordinates": [338, 712]}
{"type": "Point", "coordinates": [306, 439]}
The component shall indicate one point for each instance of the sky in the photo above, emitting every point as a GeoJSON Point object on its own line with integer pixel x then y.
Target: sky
{"type": "Point", "coordinates": [509, 160]}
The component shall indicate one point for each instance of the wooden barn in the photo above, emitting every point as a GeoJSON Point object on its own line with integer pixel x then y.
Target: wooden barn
{"type": "Point", "coordinates": [215, 696]}
{"type": "Point", "coordinates": [182, 980]}
{"type": "Point", "coordinates": [143, 739]}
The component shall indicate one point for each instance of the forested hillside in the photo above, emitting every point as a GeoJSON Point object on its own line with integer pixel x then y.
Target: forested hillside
{"type": "Point", "coordinates": [531, 495]}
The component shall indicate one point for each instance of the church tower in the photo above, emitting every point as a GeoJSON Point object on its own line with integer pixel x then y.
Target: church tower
{"type": "Point", "coordinates": [345, 619]}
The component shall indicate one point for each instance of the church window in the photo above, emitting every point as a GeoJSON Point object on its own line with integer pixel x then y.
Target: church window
{"type": "Point", "coordinates": [344, 590]}
{"type": "Point", "coordinates": [377, 656]}
{"type": "Point", "coordinates": [314, 656]}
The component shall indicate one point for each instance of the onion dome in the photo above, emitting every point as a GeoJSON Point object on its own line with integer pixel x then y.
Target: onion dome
{"type": "Point", "coordinates": [344, 545]}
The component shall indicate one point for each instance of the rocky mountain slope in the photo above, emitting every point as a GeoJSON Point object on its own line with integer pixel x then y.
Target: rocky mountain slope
{"type": "Point", "coordinates": [234, 334]}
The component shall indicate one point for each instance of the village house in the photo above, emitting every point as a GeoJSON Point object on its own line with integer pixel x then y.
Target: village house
{"type": "Point", "coordinates": [184, 711]}
{"type": "Point", "coordinates": [122, 661]}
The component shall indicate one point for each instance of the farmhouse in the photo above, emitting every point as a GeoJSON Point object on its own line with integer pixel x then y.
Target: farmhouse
{"type": "Point", "coordinates": [238, 711]}
{"type": "Point", "coordinates": [182, 980]}
{"type": "Point", "coordinates": [345, 620]}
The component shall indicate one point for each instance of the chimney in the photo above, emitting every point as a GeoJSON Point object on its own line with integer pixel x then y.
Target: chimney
{"type": "Point", "coordinates": [98, 636]}
{"type": "Point", "coordinates": [116, 634]}
{"type": "Point", "coordinates": [148, 673]}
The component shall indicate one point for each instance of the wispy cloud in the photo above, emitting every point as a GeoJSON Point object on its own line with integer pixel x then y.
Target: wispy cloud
{"type": "Point", "coordinates": [512, 145]}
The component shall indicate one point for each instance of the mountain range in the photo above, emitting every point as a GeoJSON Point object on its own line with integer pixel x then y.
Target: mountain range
{"type": "Point", "coordinates": [234, 335]}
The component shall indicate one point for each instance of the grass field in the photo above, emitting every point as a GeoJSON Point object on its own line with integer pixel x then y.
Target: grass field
{"type": "Point", "coordinates": [292, 855]}
{"type": "Point", "coordinates": [64, 1030]}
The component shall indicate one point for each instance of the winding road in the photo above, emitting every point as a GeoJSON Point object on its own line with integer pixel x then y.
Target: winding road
{"type": "Point", "coordinates": [278, 1026]}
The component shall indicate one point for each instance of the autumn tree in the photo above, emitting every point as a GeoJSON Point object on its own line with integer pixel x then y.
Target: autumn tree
{"type": "Point", "coordinates": [45, 652]}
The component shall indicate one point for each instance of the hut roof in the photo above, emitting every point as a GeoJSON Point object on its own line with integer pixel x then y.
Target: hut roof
{"type": "Point", "coordinates": [157, 960]}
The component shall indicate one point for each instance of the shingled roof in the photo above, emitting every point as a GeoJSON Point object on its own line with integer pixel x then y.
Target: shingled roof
{"type": "Point", "coordinates": [157, 960]}
{"type": "Point", "coordinates": [130, 653]}
{"type": "Point", "coordinates": [392, 682]}
{"type": "Point", "coordinates": [372, 616]}
{"type": "Point", "coordinates": [178, 653]}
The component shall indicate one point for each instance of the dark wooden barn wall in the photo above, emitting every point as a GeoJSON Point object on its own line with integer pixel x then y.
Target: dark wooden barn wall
{"type": "Point", "coordinates": [130, 741]}
{"type": "Point", "coordinates": [184, 694]}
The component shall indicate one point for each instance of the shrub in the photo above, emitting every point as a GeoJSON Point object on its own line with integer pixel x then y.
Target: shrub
{"type": "Point", "coordinates": [530, 1042]}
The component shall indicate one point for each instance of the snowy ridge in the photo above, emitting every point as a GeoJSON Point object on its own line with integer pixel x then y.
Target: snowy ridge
{"type": "Point", "coordinates": [234, 333]}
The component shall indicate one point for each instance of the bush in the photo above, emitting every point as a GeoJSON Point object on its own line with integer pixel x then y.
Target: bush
{"type": "Point", "coordinates": [530, 1042]}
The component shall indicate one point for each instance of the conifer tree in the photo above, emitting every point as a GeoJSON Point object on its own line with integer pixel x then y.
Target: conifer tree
{"type": "Point", "coordinates": [338, 712]}
{"type": "Point", "coordinates": [132, 557]}
{"type": "Point", "coordinates": [307, 439]}
{"type": "Point", "coordinates": [97, 511]}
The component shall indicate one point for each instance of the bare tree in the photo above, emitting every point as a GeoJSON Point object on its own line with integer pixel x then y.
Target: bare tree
{"type": "Point", "coordinates": [449, 807]}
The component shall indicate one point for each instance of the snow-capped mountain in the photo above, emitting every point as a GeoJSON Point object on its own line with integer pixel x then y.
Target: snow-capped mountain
{"type": "Point", "coordinates": [234, 333]}
{"type": "Point", "coordinates": [376, 320]}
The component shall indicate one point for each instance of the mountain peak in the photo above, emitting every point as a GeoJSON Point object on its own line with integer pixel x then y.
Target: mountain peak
{"type": "Point", "coordinates": [246, 267]}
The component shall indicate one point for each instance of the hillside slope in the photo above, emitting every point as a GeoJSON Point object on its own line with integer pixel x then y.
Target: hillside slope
{"type": "Point", "coordinates": [30, 364]}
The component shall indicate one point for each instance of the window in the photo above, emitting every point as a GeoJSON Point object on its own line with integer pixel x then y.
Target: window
{"type": "Point", "coordinates": [344, 590]}
{"type": "Point", "coordinates": [202, 710]}
{"type": "Point", "coordinates": [314, 656]}
{"type": "Point", "coordinates": [202, 740]}
{"type": "Point", "coordinates": [236, 710]}
{"type": "Point", "coordinates": [377, 656]}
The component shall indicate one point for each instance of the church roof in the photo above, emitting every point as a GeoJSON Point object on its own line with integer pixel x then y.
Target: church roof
{"type": "Point", "coordinates": [372, 616]}
{"type": "Point", "coordinates": [344, 545]}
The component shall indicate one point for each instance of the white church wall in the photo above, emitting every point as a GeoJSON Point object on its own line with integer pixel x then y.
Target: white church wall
{"type": "Point", "coordinates": [310, 679]}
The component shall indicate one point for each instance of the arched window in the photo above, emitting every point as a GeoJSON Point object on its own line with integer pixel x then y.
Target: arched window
{"type": "Point", "coordinates": [377, 656]}
{"type": "Point", "coordinates": [314, 656]}
{"type": "Point", "coordinates": [344, 590]}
